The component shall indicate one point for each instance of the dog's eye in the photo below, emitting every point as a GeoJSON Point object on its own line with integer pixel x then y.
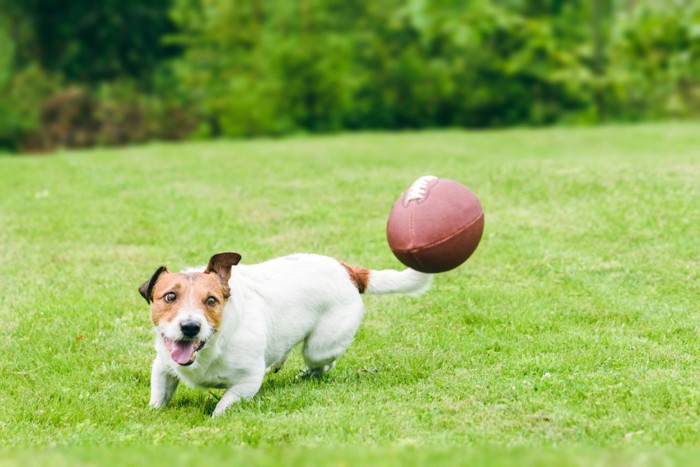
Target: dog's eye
{"type": "Point", "coordinates": [211, 301]}
{"type": "Point", "coordinates": [169, 297]}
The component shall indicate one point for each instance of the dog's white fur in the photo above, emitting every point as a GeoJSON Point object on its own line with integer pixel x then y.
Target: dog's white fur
{"type": "Point", "coordinates": [274, 306]}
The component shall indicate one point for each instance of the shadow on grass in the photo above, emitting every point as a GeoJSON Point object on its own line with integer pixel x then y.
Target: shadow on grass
{"type": "Point", "coordinates": [285, 392]}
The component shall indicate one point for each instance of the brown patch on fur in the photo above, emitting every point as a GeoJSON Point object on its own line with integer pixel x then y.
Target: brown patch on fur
{"type": "Point", "coordinates": [359, 276]}
{"type": "Point", "coordinates": [191, 291]}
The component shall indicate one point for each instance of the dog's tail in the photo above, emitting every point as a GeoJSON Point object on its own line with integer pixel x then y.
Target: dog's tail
{"type": "Point", "coordinates": [408, 281]}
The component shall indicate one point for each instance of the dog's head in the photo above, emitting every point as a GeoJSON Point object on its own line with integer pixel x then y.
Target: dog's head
{"type": "Point", "coordinates": [187, 307]}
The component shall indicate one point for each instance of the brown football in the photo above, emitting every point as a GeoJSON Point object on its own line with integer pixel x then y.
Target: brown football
{"type": "Point", "coordinates": [435, 225]}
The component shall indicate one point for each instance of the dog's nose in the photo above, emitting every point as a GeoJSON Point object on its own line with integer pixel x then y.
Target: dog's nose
{"type": "Point", "coordinates": [190, 328]}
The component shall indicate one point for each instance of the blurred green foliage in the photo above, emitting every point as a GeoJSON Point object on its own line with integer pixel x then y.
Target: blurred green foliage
{"type": "Point", "coordinates": [202, 68]}
{"type": "Point", "coordinates": [655, 60]}
{"type": "Point", "coordinates": [80, 73]}
{"type": "Point", "coordinates": [90, 41]}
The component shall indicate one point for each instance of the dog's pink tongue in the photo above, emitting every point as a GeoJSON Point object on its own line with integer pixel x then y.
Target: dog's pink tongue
{"type": "Point", "coordinates": [182, 352]}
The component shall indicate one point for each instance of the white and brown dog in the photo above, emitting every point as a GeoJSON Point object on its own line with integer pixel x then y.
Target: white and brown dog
{"type": "Point", "coordinates": [225, 325]}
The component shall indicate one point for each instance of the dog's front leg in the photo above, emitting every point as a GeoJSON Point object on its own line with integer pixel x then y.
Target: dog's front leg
{"type": "Point", "coordinates": [163, 384]}
{"type": "Point", "coordinates": [247, 387]}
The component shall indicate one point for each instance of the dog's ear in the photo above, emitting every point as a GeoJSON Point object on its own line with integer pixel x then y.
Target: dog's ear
{"type": "Point", "coordinates": [146, 289]}
{"type": "Point", "coordinates": [221, 264]}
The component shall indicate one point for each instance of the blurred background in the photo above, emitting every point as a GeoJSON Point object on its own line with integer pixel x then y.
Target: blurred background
{"type": "Point", "coordinates": [80, 73]}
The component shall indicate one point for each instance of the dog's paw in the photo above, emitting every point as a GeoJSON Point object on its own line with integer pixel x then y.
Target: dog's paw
{"type": "Point", "coordinates": [219, 411]}
{"type": "Point", "coordinates": [157, 404]}
{"type": "Point", "coordinates": [316, 372]}
{"type": "Point", "coordinates": [308, 373]}
{"type": "Point", "coordinates": [227, 400]}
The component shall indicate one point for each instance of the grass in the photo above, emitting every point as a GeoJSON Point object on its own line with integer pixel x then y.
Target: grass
{"type": "Point", "coordinates": [570, 335]}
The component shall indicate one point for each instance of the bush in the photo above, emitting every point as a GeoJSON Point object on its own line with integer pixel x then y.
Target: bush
{"type": "Point", "coordinates": [116, 114]}
{"type": "Point", "coordinates": [265, 67]}
{"type": "Point", "coordinates": [72, 74]}
{"type": "Point", "coordinates": [656, 61]}
{"type": "Point", "coordinates": [21, 102]}
{"type": "Point", "coordinates": [272, 67]}
{"type": "Point", "coordinates": [68, 119]}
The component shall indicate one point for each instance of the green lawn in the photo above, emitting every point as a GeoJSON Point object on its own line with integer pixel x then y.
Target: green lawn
{"type": "Point", "coordinates": [571, 334]}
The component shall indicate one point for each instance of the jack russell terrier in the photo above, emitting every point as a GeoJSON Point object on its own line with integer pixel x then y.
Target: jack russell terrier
{"type": "Point", "coordinates": [226, 325]}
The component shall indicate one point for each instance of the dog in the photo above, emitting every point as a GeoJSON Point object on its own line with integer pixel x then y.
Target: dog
{"type": "Point", "coordinates": [227, 324]}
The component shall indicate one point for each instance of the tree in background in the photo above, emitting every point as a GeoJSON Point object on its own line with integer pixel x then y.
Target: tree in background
{"type": "Point", "coordinates": [66, 58]}
{"type": "Point", "coordinates": [86, 41]}
{"type": "Point", "coordinates": [200, 68]}
{"type": "Point", "coordinates": [268, 66]}
{"type": "Point", "coordinates": [655, 59]}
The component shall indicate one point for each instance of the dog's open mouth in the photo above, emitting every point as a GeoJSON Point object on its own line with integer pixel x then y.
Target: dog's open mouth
{"type": "Point", "coordinates": [183, 352]}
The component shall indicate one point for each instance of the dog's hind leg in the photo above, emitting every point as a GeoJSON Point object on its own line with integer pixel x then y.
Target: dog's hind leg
{"type": "Point", "coordinates": [277, 366]}
{"type": "Point", "coordinates": [331, 336]}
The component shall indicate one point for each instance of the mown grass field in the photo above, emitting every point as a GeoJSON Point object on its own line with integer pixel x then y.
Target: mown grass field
{"type": "Point", "coordinates": [570, 337]}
